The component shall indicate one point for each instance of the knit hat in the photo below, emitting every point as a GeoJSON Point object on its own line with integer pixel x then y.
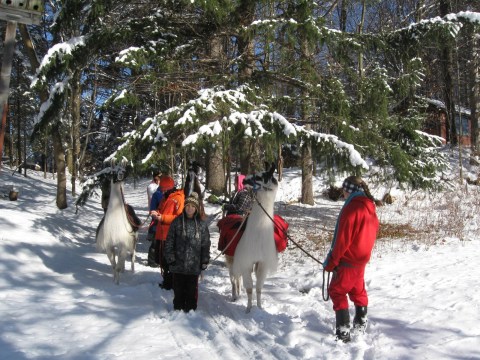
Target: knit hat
{"type": "Point", "coordinates": [350, 187]}
{"type": "Point", "coordinates": [166, 183]}
{"type": "Point", "coordinates": [193, 200]}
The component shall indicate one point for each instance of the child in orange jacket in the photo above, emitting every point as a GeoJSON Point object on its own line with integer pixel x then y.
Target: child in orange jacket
{"type": "Point", "coordinates": [170, 207]}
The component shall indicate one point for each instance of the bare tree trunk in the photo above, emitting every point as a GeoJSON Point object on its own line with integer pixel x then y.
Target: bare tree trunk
{"type": "Point", "coordinates": [216, 179]}
{"type": "Point", "coordinates": [75, 111]}
{"type": "Point", "coordinates": [307, 162]}
{"type": "Point", "coordinates": [91, 116]}
{"type": "Point", "coordinates": [6, 71]}
{"type": "Point", "coordinates": [447, 66]}
{"type": "Point", "coordinates": [11, 151]}
{"type": "Point", "coordinates": [343, 16]}
{"type": "Point", "coordinates": [245, 16]}
{"type": "Point", "coordinates": [58, 149]}
{"type": "Point", "coordinates": [61, 173]}
{"type": "Point", "coordinates": [474, 89]}
{"type": "Point", "coordinates": [307, 175]}
{"type": "Point", "coordinates": [19, 142]}
{"type": "Point", "coordinates": [360, 53]}
{"type": "Point", "coordinates": [280, 162]}
{"type": "Point", "coordinates": [3, 129]}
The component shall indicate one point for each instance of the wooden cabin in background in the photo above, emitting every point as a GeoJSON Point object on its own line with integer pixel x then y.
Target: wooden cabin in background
{"type": "Point", "coordinates": [436, 123]}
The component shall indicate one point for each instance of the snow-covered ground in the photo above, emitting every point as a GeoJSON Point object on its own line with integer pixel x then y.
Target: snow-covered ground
{"type": "Point", "coordinates": [58, 299]}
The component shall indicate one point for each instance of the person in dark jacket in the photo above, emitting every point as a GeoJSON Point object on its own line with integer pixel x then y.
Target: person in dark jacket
{"type": "Point", "coordinates": [353, 241]}
{"type": "Point", "coordinates": [187, 252]}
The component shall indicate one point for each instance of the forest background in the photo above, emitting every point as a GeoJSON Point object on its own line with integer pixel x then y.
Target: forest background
{"type": "Point", "coordinates": [231, 83]}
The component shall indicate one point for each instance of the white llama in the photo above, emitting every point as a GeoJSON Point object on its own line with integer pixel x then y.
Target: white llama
{"type": "Point", "coordinates": [256, 249]}
{"type": "Point", "coordinates": [115, 234]}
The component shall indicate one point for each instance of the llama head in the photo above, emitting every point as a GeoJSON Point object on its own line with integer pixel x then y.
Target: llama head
{"type": "Point", "coordinates": [117, 171]}
{"type": "Point", "coordinates": [192, 180]}
{"type": "Point", "coordinates": [263, 181]}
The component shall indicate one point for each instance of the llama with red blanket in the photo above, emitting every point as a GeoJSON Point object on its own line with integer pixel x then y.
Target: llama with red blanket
{"type": "Point", "coordinates": [256, 251]}
{"type": "Point", "coordinates": [231, 230]}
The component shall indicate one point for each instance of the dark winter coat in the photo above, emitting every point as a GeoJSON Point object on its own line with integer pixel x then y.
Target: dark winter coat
{"type": "Point", "coordinates": [187, 247]}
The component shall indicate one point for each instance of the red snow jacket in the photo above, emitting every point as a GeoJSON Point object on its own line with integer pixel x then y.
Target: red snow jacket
{"type": "Point", "coordinates": [355, 234]}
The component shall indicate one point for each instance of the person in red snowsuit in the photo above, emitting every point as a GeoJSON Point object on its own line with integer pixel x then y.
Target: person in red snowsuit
{"type": "Point", "coordinates": [353, 241]}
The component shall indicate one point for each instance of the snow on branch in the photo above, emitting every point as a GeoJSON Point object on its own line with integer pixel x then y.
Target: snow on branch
{"type": "Point", "coordinates": [218, 111]}
{"type": "Point", "coordinates": [59, 52]}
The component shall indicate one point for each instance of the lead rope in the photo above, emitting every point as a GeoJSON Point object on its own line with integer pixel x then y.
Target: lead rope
{"type": "Point", "coordinates": [129, 217]}
{"type": "Point", "coordinates": [325, 298]}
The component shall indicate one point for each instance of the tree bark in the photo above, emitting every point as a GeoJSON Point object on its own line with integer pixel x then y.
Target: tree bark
{"type": "Point", "coordinates": [61, 173]}
{"type": "Point", "coordinates": [307, 175]}
{"type": "Point", "coordinates": [58, 148]}
{"type": "Point", "coordinates": [447, 66]}
{"type": "Point", "coordinates": [307, 162]}
{"type": "Point", "coordinates": [216, 179]}
{"type": "Point", "coordinates": [75, 113]}
{"type": "Point", "coordinates": [474, 89]}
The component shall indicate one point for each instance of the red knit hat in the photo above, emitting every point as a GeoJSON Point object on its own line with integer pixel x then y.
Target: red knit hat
{"type": "Point", "coordinates": [166, 183]}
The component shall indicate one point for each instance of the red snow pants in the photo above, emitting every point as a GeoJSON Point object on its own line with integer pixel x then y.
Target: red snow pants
{"type": "Point", "coordinates": [348, 281]}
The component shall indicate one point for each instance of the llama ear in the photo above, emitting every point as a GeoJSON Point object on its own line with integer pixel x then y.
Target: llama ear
{"type": "Point", "coordinates": [272, 169]}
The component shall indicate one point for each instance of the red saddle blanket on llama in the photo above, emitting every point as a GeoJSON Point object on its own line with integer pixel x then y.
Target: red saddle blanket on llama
{"type": "Point", "coordinates": [230, 233]}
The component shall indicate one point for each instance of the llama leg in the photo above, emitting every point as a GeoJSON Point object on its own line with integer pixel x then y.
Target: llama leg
{"type": "Point", "coordinates": [133, 261]}
{"type": "Point", "coordinates": [234, 280]}
{"type": "Point", "coordinates": [111, 256]}
{"type": "Point", "coordinates": [116, 276]}
{"type": "Point", "coordinates": [120, 268]}
{"type": "Point", "coordinates": [248, 285]}
{"type": "Point", "coordinates": [122, 257]}
{"type": "Point", "coordinates": [249, 300]}
{"type": "Point", "coordinates": [260, 275]}
{"type": "Point", "coordinates": [237, 285]}
{"type": "Point", "coordinates": [114, 260]}
{"type": "Point", "coordinates": [135, 239]}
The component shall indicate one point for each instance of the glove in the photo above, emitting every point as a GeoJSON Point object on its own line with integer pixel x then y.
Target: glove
{"type": "Point", "coordinates": [204, 266]}
{"type": "Point", "coordinates": [330, 267]}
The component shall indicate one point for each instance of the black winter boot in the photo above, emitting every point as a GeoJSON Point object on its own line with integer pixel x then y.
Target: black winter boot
{"type": "Point", "coordinates": [151, 255]}
{"type": "Point", "coordinates": [360, 320]}
{"type": "Point", "coordinates": [342, 327]}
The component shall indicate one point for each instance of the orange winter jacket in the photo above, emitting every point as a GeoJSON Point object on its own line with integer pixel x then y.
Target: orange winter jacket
{"type": "Point", "coordinates": [170, 207]}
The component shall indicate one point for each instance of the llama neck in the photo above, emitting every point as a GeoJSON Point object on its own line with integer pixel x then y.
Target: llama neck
{"type": "Point", "coordinates": [116, 197]}
{"type": "Point", "coordinates": [266, 200]}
